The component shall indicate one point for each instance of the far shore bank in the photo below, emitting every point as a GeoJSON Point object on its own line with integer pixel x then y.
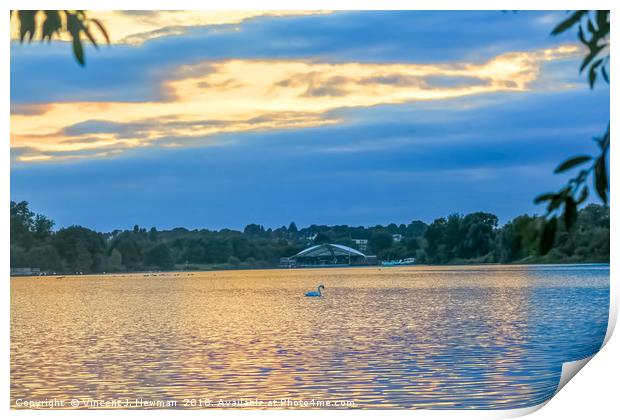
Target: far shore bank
{"type": "Point", "coordinates": [156, 273]}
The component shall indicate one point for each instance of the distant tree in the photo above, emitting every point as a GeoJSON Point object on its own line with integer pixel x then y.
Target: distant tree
{"type": "Point", "coordinates": [82, 249]}
{"type": "Point", "coordinates": [392, 228]}
{"type": "Point", "coordinates": [435, 238]}
{"type": "Point", "coordinates": [114, 262]}
{"type": "Point", "coordinates": [479, 234]}
{"type": "Point", "coordinates": [234, 261]}
{"type": "Point", "coordinates": [292, 228]}
{"type": "Point", "coordinates": [254, 229]}
{"type": "Point", "coordinates": [380, 241]}
{"type": "Point", "coordinates": [27, 227]}
{"type": "Point", "coordinates": [413, 244]}
{"type": "Point", "coordinates": [130, 252]}
{"type": "Point", "coordinates": [475, 237]}
{"type": "Point", "coordinates": [42, 227]}
{"type": "Point", "coordinates": [241, 247]}
{"type": "Point", "coordinates": [18, 256]}
{"type": "Point", "coordinates": [44, 257]}
{"type": "Point", "coordinates": [517, 239]}
{"type": "Point", "coordinates": [153, 234]}
{"type": "Point", "coordinates": [160, 257]}
{"type": "Point", "coordinates": [22, 221]}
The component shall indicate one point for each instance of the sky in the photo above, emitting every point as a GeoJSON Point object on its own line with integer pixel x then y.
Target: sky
{"type": "Point", "coordinates": [220, 119]}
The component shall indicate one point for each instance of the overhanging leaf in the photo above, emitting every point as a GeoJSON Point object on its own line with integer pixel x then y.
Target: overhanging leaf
{"type": "Point", "coordinates": [604, 72]}
{"type": "Point", "coordinates": [583, 195]}
{"type": "Point", "coordinates": [26, 24]}
{"type": "Point", "coordinates": [544, 197]}
{"type": "Point", "coordinates": [570, 212]}
{"type": "Point", "coordinates": [572, 162]}
{"type": "Point", "coordinates": [569, 22]}
{"type": "Point", "coordinates": [102, 29]}
{"type": "Point", "coordinates": [78, 51]}
{"type": "Point", "coordinates": [548, 235]}
{"type": "Point", "coordinates": [600, 178]}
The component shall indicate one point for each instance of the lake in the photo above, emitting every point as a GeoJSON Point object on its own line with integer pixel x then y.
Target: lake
{"type": "Point", "coordinates": [403, 337]}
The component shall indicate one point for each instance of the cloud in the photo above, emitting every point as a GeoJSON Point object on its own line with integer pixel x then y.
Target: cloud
{"type": "Point", "coordinates": [91, 126]}
{"type": "Point", "coordinates": [29, 109]}
{"type": "Point", "coordinates": [233, 96]}
{"type": "Point", "coordinates": [494, 156]}
{"type": "Point", "coordinates": [127, 73]}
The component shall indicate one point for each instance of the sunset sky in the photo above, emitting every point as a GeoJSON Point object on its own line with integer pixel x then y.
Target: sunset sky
{"type": "Point", "coordinates": [220, 119]}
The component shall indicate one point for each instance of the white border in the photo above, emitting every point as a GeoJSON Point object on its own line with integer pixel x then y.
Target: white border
{"type": "Point", "coordinates": [592, 395]}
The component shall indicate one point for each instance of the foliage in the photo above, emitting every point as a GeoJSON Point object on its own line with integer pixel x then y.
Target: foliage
{"type": "Point", "coordinates": [597, 25]}
{"type": "Point", "coordinates": [471, 238]}
{"type": "Point", "coordinates": [460, 237]}
{"type": "Point", "coordinates": [564, 203]}
{"type": "Point", "coordinates": [380, 241]}
{"type": "Point", "coordinates": [27, 227]}
{"type": "Point", "coordinates": [160, 257]}
{"type": "Point", "coordinates": [53, 23]}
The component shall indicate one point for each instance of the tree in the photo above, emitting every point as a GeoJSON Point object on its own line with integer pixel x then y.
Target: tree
{"type": "Point", "coordinates": [42, 227]}
{"type": "Point", "coordinates": [479, 235]}
{"type": "Point", "coordinates": [82, 249]}
{"type": "Point", "coordinates": [44, 257]}
{"type": "Point", "coordinates": [114, 262]}
{"type": "Point", "coordinates": [459, 238]}
{"type": "Point", "coordinates": [416, 228]}
{"type": "Point", "coordinates": [254, 229]}
{"type": "Point", "coordinates": [130, 252]}
{"type": "Point", "coordinates": [54, 23]}
{"type": "Point", "coordinates": [517, 239]}
{"type": "Point", "coordinates": [292, 228]}
{"type": "Point", "coordinates": [21, 223]}
{"type": "Point", "coordinates": [234, 261]}
{"type": "Point", "coordinates": [27, 227]}
{"type": "Point", "coordinates": [18, 256]}
{"type": "Point", "coordinates": [160, 257]}
{"type": "Point", "coordinates": [380, 241]}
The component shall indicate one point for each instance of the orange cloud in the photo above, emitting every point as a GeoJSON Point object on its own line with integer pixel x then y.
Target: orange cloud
{"type": "Point", "coordinates": [231, 96]}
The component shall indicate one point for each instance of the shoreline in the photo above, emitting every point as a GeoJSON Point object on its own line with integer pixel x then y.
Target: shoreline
{"type": "Point", "coordinates": [163, 273]}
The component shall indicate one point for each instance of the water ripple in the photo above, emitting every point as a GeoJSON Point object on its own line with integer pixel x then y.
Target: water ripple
{"type": "Point", "coordinates": [411, 337]}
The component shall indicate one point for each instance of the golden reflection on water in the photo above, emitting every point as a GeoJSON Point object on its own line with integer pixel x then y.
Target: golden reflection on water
{"type": "Point", "coordinates": [407, 337]}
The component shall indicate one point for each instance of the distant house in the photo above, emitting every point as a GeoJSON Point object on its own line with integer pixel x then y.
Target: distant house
{"type": "Point", "coordinates": [287, 262]}
{"type": "Point", "coordinates": [25, 271]}
{"type": "Point", "coordinates": [362, 244]}
{"type": "Point", "coordinates": [311, 237]}
{"type": "Point", "coordinates": [397, 237]}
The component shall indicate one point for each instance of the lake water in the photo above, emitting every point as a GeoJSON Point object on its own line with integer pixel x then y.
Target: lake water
{"type": "Point", "coordinates": [406, 337]}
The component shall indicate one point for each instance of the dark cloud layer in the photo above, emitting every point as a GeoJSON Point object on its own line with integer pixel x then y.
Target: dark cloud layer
{"type": "Point", "coordinates": [406, 162]}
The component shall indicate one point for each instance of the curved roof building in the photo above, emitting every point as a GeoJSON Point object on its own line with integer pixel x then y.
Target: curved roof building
{"type": "Point", "coordinates": [328, 255]}
{"type": "Point", "coordinates": [329, 250]}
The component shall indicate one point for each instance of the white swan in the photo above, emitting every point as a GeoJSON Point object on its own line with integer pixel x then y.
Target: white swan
{"type": "Point", "coordinates": [312, 293]}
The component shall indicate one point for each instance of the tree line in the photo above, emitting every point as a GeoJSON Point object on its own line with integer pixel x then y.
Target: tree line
{"type": "Point", "coordinates": [471, 238]}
